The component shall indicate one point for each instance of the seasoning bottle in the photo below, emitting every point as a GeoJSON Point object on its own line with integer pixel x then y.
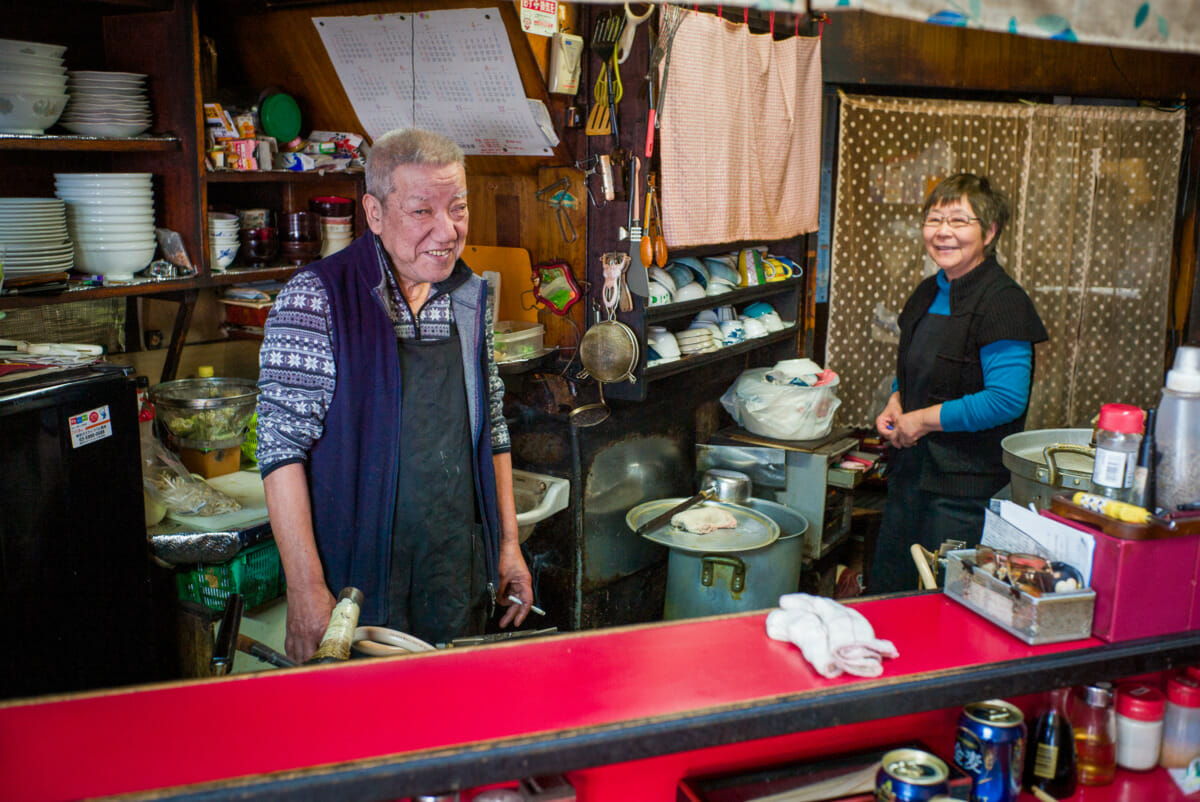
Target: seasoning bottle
{"type": "Point", "coordinates": [1050, 757]}
{"type": "Point", "coordinates": [1095, 727]}
{"type": "Point", "coordinates": [1117, 439]}
{"type": "Point", "coordinates": [1143, 491]}
{"type": "Point", "coordinates": [1140, 709]}
{"type": "Point", "coordinates": [339, 635]}
{"type": "Point", "coordinates": [1177, 433]}
{"type": "Point", "coordinates": [1181, 723]}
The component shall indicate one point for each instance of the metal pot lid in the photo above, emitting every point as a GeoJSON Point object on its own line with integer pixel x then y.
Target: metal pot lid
{"type": "Point", "coordinates": [754, 530]}
{"type": "Point", "coordinates": [1023, 452]}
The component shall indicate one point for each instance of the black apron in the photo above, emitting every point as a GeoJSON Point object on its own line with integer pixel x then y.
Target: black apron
{"type": "Point", "coordinates": [912, 515]}
{"type": "Point", "coordinates": [437, 585]}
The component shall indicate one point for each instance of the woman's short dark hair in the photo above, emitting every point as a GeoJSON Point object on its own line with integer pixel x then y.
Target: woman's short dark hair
{"type": "Point", "coordinates": [990, 205]}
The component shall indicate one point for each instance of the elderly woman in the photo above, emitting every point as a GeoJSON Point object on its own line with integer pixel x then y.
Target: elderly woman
{"type": "Point", "coordinates": [964, 370]}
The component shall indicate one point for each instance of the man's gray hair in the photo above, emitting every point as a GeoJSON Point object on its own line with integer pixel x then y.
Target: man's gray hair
{"type": "Point", "coordinates": [407, 146]}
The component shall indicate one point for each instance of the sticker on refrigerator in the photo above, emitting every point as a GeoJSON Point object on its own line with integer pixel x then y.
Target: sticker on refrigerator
{"type": "Point", "coordinates": [88, 427]}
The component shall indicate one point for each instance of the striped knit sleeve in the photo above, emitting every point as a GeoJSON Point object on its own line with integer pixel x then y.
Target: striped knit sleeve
{"type": "Point", "coordinates": [500, 439]}
{"type": "Point", "coordinates": [296, 373]}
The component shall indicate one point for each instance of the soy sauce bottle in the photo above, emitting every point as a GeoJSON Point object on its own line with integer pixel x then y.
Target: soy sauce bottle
{"type": "Point", "coordinates": [1050, 758]}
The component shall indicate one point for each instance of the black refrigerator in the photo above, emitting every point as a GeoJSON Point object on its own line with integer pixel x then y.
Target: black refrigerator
{"type": "Point", "coordinates": [75, 589]}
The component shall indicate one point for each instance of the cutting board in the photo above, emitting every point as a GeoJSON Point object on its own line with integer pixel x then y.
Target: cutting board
{"type": "Point", "coordinates": [247, 488]}
{"type": "Point", "coordinates": [516, 278]}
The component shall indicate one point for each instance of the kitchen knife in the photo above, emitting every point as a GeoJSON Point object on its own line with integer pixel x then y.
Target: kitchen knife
{"type": "Point", "coordinates": [665, 518]}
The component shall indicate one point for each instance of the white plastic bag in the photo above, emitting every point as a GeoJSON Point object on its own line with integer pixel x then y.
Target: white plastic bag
{"type": "Point", "coordinates": [781, 411]}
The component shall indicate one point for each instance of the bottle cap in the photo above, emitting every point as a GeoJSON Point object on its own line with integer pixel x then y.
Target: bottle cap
{"type": "Point", "coordinates": [1140, 701]}
{"type": "Point", "coordinates": [1183, 691]}
{"type": "Point", "coordinates": [1184, 375]}
{"type": "Point", "coordinates": [205, 371]}
{"type": "Point", "coordinates": [1124, 418]}
{"type": "Point", "coordinates": [1099, 694]}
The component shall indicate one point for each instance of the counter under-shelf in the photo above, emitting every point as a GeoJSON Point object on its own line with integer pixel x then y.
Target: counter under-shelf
{"type": "Point", "coordinates": [391, 727]}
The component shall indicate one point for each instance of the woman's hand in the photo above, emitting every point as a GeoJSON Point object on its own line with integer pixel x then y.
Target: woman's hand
{"type": "Point", "coordinates": [912, 426]}
{"type": "Point", "coordinates": [885, 424]}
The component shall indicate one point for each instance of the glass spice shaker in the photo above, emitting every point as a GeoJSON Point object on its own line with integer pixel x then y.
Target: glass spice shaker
{"type": "Point", "coordinates": [1095, 725]}
{"type": "Point", "coordinates": [1140, 710]}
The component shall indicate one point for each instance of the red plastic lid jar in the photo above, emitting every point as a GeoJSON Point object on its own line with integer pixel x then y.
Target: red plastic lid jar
{"type": "Point", "coordinates": [1124, 418]}
{"type": "Point", "coordinates": [1193, 672]}
{"type": "Point", "coordinates": [1183, 691]}
{"type": "Point", "coordinates": [1139, 701]}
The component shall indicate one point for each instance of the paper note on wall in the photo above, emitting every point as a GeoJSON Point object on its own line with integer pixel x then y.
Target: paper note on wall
{"type": "Point", "coordinates": [448, 71]}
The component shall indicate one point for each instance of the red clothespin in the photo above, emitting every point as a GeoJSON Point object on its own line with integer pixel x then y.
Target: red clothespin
{"type": "Point", "coordinates": [797, 31]}
{"type": "Point", "coordinates": [746, 15]}
{"type": "Point", "coordinates": [720, 10]}
{"type": "Point", "coordinates": [821, 20]}
{"type": "Point", "coordinates": [771, 18]}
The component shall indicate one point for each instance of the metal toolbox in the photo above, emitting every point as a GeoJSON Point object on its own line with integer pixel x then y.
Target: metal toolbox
{"type": "Point", "coordinates": [1052, 618]}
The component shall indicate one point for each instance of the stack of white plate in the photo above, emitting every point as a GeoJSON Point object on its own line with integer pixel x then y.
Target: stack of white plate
{"type": "Point", "coordinates": [110, 216]}
{"type": "Point", "coordinates": [33, 234]}
{"type": "Point", "coordinates": [107, 104]}
{"type": "Point", "coordinates": [33, 86]}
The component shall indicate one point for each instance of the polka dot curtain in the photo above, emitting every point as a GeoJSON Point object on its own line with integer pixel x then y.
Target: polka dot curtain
{"type": "Point", "coordinates": [1093, 193]}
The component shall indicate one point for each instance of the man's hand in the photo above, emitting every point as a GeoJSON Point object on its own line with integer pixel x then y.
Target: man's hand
{"type": "Point", "coordinates": [516, 581]}
{"type": "Point", "coordinates": [308, 613]}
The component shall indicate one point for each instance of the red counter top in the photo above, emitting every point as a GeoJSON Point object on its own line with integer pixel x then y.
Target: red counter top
{"type": "Point", "coordinates": [580, 699]}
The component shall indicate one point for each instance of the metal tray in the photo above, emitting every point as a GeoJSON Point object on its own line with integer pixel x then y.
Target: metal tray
{"type": "Point", "coordinates": [1052, 618]}
{"type": "Point", "coordinates": [754, 529]}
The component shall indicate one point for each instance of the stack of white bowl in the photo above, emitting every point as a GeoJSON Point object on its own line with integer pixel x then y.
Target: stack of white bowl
{"type": "Point", "coordinates": [33, 236]}
{"type": "Point", "coordinates": [107, 104]}
{"type": "Point", "coordinates": [223, 242]}
{"type": "Point", "coordinates": [336, 233]}
{"type": "Point", "coordinates": [110, 216]}
{"type": "Point", "coordinates": [33, 86]}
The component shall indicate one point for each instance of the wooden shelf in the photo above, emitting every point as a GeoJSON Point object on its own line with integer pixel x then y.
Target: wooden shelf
{"type": "Point", "coordinates": [659, 314]}
{"type": "Point", "coordinates": [279, 176]}
{"type": "Point", "coordinates": [688, 363]}
{"type": "Point", "coordinates": [146, 143]}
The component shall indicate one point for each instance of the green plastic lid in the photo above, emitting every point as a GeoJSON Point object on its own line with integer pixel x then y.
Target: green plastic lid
{"type": "Point", "coordinates": [280, 117]}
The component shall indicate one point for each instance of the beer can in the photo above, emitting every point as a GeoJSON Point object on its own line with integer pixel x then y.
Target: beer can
{"type": "Point", "coordinates": [910, 775]}
{"type": "Point", "coordinates": [990, 747]}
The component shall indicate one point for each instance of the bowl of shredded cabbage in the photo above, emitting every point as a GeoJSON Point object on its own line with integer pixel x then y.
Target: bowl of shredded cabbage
{"type": "Point", "coordinates": [205, 413]}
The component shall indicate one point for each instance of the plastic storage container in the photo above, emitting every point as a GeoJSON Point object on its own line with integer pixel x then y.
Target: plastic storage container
{"type": "Point", "coordinates": [516, 340]}
{"type": "Point", "coordinates": [1118, 437]}
{"type": "Point", "coordinates": [1177, 432]}
{"type": "Point", "coordinates": [1140, 709]}
{"type": "Point", "coordinates": [1181, 723]}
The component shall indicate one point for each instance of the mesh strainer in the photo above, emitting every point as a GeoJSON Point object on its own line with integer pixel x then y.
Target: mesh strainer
{"type": "Point", "coordinates": [609, 353]}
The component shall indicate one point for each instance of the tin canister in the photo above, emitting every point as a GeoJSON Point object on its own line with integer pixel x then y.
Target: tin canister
{"type": "Point", "coordinates": [990, 747]}
{"type": "Point", "coordinates": [910, 775]}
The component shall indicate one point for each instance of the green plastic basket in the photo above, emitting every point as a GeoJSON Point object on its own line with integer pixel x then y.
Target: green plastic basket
{"type": "Point", "coordinates": [255, 573]}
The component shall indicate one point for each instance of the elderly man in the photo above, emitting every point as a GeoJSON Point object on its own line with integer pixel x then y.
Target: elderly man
{"type": "Point", "coordinates": [381, 436]}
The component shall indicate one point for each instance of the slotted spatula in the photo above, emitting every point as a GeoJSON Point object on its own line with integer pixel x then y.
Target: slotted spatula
{"type": "Point", "coordinates": [608, 89]}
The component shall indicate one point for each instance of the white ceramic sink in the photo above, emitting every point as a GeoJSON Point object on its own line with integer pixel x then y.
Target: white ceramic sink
{"type": "Point", "coordinates": [538, 496]}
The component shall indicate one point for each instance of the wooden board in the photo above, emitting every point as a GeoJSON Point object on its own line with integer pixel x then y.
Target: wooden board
{"type": "Point", "coordinates": [516, 280]}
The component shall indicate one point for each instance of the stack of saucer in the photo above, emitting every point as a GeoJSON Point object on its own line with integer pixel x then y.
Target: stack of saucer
{"type": "Point", "coordinates": [33, 237]}
{"type": "Point", "coordinates": [696, 341]}
{"type": "Point", "coordinates": [106, 104]}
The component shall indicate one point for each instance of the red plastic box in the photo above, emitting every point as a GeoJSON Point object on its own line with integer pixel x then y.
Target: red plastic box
{"type": "Point", "coordinates": [1143, 587]}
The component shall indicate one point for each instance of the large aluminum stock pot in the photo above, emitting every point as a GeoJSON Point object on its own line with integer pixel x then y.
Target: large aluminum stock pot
{"type": "Point", "coordinates": [1045, 462]}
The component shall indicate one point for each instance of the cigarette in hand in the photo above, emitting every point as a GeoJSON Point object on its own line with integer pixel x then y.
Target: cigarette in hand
{"type": "Point", "coordinates": [533, 607]}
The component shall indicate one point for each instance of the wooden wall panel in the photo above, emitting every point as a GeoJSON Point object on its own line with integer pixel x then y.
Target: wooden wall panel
{"type": "Point", "coordinates": [863, 48]}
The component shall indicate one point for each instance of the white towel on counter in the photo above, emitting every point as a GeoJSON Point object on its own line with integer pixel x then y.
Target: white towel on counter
{"type": "Point", "coordinates": [834, 639]}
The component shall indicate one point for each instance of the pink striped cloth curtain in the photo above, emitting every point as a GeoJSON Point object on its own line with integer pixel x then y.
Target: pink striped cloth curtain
{"type": "Point", "coordinates": [740, 133]}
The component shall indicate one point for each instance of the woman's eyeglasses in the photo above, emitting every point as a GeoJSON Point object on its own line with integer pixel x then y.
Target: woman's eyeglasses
{"type": "Point", "coordinates": [953, 222]}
